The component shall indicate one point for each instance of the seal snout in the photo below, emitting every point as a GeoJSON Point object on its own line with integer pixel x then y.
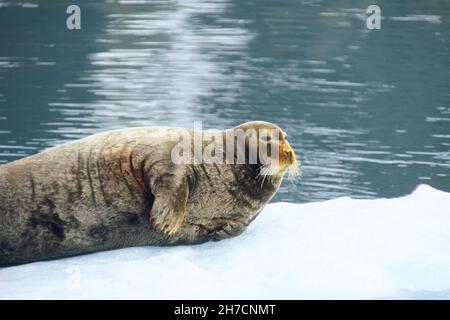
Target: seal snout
{"type": "Point", "coordinates": [288, 160]}
{"type": "Point", "coordinates": [287, 155]}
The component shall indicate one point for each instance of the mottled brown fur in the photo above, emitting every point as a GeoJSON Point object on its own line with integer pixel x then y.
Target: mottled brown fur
{"type": "Point", "coordinates": [118, 189]}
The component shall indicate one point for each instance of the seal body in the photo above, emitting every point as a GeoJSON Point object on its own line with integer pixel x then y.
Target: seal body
{"type": "Point", "coordinates": [118, 189]}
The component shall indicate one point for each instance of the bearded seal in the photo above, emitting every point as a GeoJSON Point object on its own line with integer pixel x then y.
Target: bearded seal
{"type": "Point", "coordinates": [122, 188]}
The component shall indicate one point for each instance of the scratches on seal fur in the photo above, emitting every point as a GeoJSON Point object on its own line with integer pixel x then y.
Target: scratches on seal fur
{"type": "Point", "coordinates": [33, 187]}
{"type": "Point", "coordinates": [78, 174]}
{"type": "Point", "coordinates": [88, 171]}
{"type": "Point", "coordinates": [99, 176]}
{"type": "Point", "coordinates": [123, 172]}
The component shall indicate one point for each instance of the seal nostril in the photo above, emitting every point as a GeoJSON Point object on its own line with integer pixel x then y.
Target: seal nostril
{"type": "Point", "coordinates": [288, 153]}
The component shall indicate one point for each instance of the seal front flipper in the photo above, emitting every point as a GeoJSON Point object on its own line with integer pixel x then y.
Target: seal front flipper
{"type": "Point", "coordinates": [169, 207]}
{"type": "Point", "coordinates": [227, 229]}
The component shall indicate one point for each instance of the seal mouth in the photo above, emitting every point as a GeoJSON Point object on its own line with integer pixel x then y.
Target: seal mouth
{"type": "Point", "coordinates": [293, 170]}
{"type": "Point", "coordinates": [287, 163]}
{"type": "Point", "coordinates": [270, 171]}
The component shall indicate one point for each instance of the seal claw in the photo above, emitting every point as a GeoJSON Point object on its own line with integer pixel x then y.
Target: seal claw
{"type": "Point", "coordinates": [167, 220]}
{"type": "Point", "coordinates": [227, 229]}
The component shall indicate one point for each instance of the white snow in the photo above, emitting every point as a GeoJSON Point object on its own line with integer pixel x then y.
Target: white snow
{"type": "Point", "coordinates": [338, 249]}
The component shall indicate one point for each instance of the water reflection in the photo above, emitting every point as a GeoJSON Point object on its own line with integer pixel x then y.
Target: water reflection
{"type": "Point", "coordinates": [367, 111]}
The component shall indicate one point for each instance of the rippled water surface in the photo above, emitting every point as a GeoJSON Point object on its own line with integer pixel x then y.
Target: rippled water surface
{"type": "Point", "coordinates": [367, 111]}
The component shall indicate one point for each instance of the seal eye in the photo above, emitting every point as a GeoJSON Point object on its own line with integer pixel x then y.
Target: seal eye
{"type": "Point", "coordinates": [266, 138]}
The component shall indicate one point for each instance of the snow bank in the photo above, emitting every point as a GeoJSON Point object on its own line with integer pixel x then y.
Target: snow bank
{"type": "Point", "coordinates": [342, 248]}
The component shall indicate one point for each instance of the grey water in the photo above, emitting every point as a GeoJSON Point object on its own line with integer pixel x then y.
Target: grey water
{"type": "Point", "coordinates": [367, 111]}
